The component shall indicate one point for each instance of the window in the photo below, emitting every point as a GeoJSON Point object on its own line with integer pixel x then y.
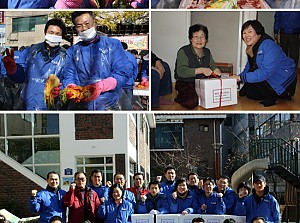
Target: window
{"type": "Point", "coordinates": [203, 128]}
{"type": "Point", "coordinates": [27, 24]}
{"type": "Point", "coordinates": [168, 136]}
{"type": "Point", "coordinates": [34, 143]}
{"type": "Point", "coordinates": [103, 163]}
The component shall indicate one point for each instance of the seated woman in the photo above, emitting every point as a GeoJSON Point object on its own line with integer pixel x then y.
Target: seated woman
{"type": "Point", "coordinates": [154, 202]}
{"type": "Point", "coordinates": [182, 200]}
{"type": "Point", "coordinates": [116, 209]}
{"type": "Point", "coordinates": [194, 61]}
{"type": "Point", "coordinates": [269, 74]}
{"type": "Point", "coordinates": [210, 202]}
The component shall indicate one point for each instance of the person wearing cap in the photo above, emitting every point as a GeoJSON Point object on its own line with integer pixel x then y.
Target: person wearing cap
{"type": "Point", "coordinates": [243, 191]}
{"type": "Point", "coordinates": [261, 202]}
{"type": "Point", "coordinates": [228, 193]}
{"type": "Point", "coordinates": [210, 202]}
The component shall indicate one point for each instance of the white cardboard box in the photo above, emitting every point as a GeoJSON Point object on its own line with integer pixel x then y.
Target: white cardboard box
{"type": "Point", "coordinates": [167, 218]}
{"type": "Point", "coordinates": [210, 90]}
{"type": "Point", "coordinates": [142, 218]}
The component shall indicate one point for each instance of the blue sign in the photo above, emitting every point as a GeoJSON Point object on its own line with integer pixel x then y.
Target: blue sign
{"type": "Point", "coordinates": [68, 171]}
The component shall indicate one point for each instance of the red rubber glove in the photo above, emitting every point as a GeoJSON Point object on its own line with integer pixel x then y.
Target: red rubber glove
{"type": "Point", "coordinates": [9, 62]}
{"type": "Point", "coordinates": [107, 84]}
{"type": "Point", "coordinates": [55, 92]}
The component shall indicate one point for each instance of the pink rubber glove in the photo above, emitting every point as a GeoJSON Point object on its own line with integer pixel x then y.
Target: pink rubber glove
{"type": "Point", "coordinates": [107, 84]}
{"type": "Point", "coordinates": [144, 80]}
{"type": "Point", "coordinates": [67, 4]}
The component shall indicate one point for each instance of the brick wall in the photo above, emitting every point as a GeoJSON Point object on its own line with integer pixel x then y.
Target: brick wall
{"type": "Point", "coordinates": [15, 191]}
{"type": "Point", "coordinates": [85, 127]}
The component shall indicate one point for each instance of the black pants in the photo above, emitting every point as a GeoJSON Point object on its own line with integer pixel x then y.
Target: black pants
{"type": "Point", "coordinates": [263, 91]}
{"type": "Point", "coordinates": [290, 45]}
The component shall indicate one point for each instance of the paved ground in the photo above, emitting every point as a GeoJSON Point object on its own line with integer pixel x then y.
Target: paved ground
{"type": "Point", "coordinates": [287, 4]}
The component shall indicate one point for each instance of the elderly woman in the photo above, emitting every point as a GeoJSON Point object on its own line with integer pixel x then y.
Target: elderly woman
{"type": "Point", "coordinates": [116, 209]}
{"type": "Point", "coordinates": [182, 200]}
{"type": "Point", "coordinates": [269, 74]}
{"type": "Point", "coordinates": [194, 61]}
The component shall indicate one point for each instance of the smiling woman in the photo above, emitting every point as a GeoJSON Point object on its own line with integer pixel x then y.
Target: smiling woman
{"type": "Point", "coordinates": [194, 61]}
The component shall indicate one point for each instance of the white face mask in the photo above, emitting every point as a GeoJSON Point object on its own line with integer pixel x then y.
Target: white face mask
{"type": "Point", "coordinates": [138, 60]}
{"type": "Point", "coordinates": [53, 40]}
{"type": "Point", "coordinates": [88, 34]}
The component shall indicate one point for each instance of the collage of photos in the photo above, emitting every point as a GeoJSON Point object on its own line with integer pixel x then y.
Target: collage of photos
{"type": "Point", "coordinates": [160, 111]}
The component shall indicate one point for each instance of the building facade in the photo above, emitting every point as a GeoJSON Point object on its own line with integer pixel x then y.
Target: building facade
{"type": "Point", "coordinates": [186, 142]}
{"type": "Point", "coordinates": [66, 143]}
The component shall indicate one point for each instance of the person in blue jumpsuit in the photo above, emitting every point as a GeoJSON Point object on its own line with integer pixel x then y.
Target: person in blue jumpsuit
{"type": "Point", "coordinates": [48, 202]}
{"type": "Point", "coordinates": [127, 96]}
{"type": "Point", "coordinates": [210, 202]}
{"type": "Point", "coordinates": [33, 65]}
{"type": "Point", "coordinates": [97, 62]}
{"type": "Point", "coordinates": [116, 209]}
{"type": "Point", "coordinates": [96, 185]}
{"type": "Point", "coordinates": [261, 202]}
{"type": "Point", "coordinates": [182, 200]}
{"type": "Point", "coordinates": [128, 195]}
{"type": "Point", "coordinates": [269, 74]}
{"type": "Point", "coordinates": [168, 186]}
{"type": "Point", "coordinates": [228, 194]}
{"type": "Point", "coordinates": [244, 191]}
{"type": "Point", "coordinates": [154, 201]}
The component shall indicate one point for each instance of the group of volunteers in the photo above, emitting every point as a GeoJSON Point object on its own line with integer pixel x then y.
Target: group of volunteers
{"type": "Point", "coordinates": [112, 203]}
{"type": "Point", "coordinates": [97, 64]}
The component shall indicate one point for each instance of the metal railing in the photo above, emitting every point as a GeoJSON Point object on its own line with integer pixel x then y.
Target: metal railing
{"type": "Point", "coordinates": [279, 151]}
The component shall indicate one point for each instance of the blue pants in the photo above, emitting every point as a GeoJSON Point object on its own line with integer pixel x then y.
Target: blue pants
{"type": "Point", "coordinates": [160, 87]}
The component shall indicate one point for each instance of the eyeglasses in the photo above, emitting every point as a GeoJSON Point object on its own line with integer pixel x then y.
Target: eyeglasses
{"type": "Point", "coordinates": [80, 179]}
{"type": "Point", "coordinates": [198, 37]}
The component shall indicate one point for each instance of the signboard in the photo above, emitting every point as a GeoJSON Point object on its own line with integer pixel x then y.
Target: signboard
{"type": "Point", "coordinates": [137, 42]}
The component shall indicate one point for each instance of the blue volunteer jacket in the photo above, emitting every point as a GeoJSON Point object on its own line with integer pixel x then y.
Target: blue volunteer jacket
{"type": "Point", "coordinates": [239, 207]}
{"type": "Point", "coordinates": [48, 204]}
{"type": "Point", "coordinates": [34, 65]}
{"type": "Point", "coordinates": [110, 213]}
{"type": "Point", "coordinates": [2, 68]}
{"type": "Point", "coordinates": [159, 203]}
{"type": "Point", "coordinates": [229, 197]}
{"type": "Point", "coordinates": [102, 191]}
{"type": "Point", "coordinates": [273, 66]}
{"type": "Point", "coordinates": [167, 188]}
{"type": "Point", "coordinates": [179, 205]}
{"type": "Point", "coordinates": [132, 70]}
{"type": "Point", "coordinates": [266, 207]}
{"type": "Point", "coordinates": [90, 63]}
{"type": "Point", "coordinates": [215, 204]}
{"type": "Point", "coordinates": [287, 22]}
